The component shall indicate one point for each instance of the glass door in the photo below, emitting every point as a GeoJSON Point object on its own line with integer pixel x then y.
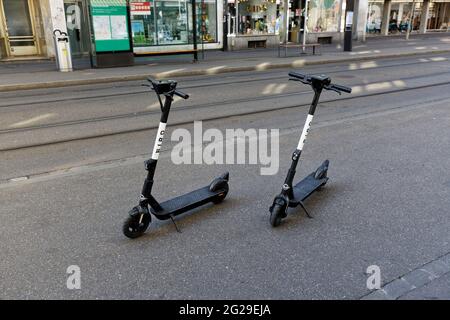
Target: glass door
{"type": "Point", "coordinates": [20, 36]}
{"type": "Point", "coordinates": [78, 31]}
{"type": "Point", "coordinates": [77, 28]}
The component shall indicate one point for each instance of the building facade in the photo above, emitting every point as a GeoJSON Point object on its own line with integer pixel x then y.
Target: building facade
{"type": "Point", "coordinates": [167, 26]}
{"type": "Point", "coordinates": [26, 28]}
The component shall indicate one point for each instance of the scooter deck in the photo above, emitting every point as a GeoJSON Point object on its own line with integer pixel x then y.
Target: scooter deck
{"type": "Point", "coordinates": [305, 188]}
{"type": "Point", "coordinates": [185, 202]}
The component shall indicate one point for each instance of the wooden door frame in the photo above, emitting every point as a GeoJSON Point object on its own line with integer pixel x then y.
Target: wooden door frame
{"type": "Point", "coordinates": [31, 11]}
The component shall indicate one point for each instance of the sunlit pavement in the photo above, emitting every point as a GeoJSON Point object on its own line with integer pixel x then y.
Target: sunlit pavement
{"type": "Point", "coordinates": [72, 167]}
{"type": "Point", "coordinates": [43, 75]}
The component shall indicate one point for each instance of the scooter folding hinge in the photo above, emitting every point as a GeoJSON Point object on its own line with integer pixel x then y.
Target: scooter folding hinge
{"type": "Point", "coordinates": [176, 227]}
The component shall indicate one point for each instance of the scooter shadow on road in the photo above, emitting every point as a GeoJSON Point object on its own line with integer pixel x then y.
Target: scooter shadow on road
{"type": "Point", "coordinates": [297, 216]}
{"type": "Point", "coordinates": [161, 228]}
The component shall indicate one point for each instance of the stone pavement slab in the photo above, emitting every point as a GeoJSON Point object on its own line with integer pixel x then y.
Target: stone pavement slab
{"type": "Point", "coordinates": [438, 289]}
{"type": "Point", "coordinates": [431, 281]}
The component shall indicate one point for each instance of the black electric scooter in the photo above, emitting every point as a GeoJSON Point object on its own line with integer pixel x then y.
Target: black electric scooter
{"type": "Point", "coordinates": [292, 196]}
{"type": "Point", "coordinates": [139, 217]}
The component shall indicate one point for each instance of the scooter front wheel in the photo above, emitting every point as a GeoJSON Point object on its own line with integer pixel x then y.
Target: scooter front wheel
{"type": "Point", "coordinates": [133, 227]}
{"type": "Point", "coordinates": [276, 214]}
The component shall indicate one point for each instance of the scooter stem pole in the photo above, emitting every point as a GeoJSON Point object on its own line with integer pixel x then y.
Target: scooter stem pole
{"type": "Point", "coordinates": [309, 118]}
{"type": "Point", "coordinates": [301, 143]}
{"type": "Point", "coordinates": [150, 165]}
{"type": "Point", "coordinates": [162, 127]}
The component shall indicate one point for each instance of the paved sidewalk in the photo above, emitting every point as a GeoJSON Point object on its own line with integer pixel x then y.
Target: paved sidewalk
{"type": "Point", "coordinates": [430, 281]}
{"type": "Point", "coordinates": [34, 75]}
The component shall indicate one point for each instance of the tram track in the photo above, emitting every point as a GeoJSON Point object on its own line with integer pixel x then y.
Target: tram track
{"type": "Point", "coordinates": [180, 108]}
{"type": "Point", "coordinates": [417, 60]}
{"type": "Point", "coordinates": [212, 118]}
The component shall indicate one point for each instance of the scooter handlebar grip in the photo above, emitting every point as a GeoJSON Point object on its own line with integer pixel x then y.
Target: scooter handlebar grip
{"type": "Point", "coordinates": [181, 94]}
{"type": "Point", "coordinates": [297, 75]}
{"type": "Point", "coordinates": [342, 88]}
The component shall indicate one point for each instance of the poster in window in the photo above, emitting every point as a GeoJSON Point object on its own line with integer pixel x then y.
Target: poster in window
{"type": "Point", "coordinates": [102, 27]}
{"type": "Point", "coordinates": [119, 27]}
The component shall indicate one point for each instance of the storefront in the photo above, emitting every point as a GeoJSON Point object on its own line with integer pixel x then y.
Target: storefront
{"type": "Point", "coordinates": [254, 23]}
{"type": "Point", "coordinates": [166, 25]}
{"type": "Point", "coordinates": [265, 23]}
{"type": "Point", "coordinates": [439, 16]}
{"type": "Point", "coordinates": [374, 17]}
{"type": "Point", "coordinates": [402, 13]}
{"type": "Point", "coordinates": [324, 20]}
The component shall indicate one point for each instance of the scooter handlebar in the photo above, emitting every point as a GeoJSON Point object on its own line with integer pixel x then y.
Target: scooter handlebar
{"type": "Point", "coordinates": [341, 88]}
{"type": "Point", "coordinates": [307, 80]}
{"type": "Point", "coordinates": [298, 75]}
{"type": "Point", "coordinates": [181, 94]}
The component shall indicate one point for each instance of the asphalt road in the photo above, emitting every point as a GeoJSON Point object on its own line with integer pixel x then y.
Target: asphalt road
{"type": "Point", "coordinates": [386, 202]}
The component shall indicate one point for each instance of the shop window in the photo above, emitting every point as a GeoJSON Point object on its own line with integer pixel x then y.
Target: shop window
{"type": "Point", "coordinates": [374, 17]}
{"type": "Point", "coordinates": [399, 17]}
{"type": "Point", "coordinates": [143, 23]}
{"type": "Point", "coordinates": [169, 22]}
{"type": "Point", "coordinates": [323, 15]}
{"type": "Point", "coordinates": [206, 20]}
{"type": "Point", "coordinates": [172, 22]}
{"type": "Point", "coordinates": [258, 17]}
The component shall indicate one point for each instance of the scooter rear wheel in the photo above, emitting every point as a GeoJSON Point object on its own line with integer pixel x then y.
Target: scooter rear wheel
{"type": "Point", "coordinates": [277, 214]}
{"type": "Point", "coordinates": [221, 197]}
{"type": "Point", "coordinates": [132, 228]}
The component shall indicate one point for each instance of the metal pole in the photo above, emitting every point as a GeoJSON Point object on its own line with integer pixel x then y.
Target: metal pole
{"type": "Point", "coordinates": [410, 20]}
{"type": "Point", "coordinates": [225, 25]}
{"type": "Point", "coordinates": [286, 21]}
{"type": "Point", "coordinates": [203, 29]}
{"type": "Point", "coordinates": [348, 33]}
{"type": "Point", "coordinates": [194, 31]}
{"type": "Point", "coordinates": [305, 26]}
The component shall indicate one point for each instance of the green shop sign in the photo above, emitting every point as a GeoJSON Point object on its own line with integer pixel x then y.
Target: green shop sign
{"type": "Point", "coordinates": [110, 24]}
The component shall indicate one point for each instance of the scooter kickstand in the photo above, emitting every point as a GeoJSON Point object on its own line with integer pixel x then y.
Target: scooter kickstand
{"type": "Point", "coordinates": [176, 227]}
{"type": "Point", "coordinates": [304, 208]}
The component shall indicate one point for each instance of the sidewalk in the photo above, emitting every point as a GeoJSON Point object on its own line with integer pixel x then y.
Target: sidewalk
{"type": "Point", "coordinates": [430, 281]}
{"type": "Point", "coordinates": [35, 75]}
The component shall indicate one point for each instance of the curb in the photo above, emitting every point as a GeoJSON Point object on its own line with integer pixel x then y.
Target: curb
{"type": "Point", "coordinates": [413, 280]}
{"type": "Point", "coordinates": [199, 72]}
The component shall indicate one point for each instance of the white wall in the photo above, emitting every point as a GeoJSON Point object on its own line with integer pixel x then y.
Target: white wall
{"type": "Point", "coordinates": [54, 17]}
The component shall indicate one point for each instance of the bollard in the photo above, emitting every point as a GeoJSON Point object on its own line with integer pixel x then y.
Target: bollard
{"type": "Point", "coordinates": [62, 51]}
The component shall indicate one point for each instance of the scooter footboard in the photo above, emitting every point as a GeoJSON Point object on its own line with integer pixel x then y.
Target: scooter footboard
{"type": "Point", "coordinates": [185, 202]}
{"type": "Point", "coordinates": [307, 186]}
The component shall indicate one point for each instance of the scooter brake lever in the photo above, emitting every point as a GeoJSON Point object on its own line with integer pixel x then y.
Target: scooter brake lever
{"type": "Point", "coordinates": [335, 90]}
{"type": "Point", "coordinates": [299, 80]}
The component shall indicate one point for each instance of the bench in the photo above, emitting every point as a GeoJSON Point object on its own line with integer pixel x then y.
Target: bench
{"type": "Point", "coordinates": [324, 40]}
{"type": "Point", "coordinates": [298, 45]}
